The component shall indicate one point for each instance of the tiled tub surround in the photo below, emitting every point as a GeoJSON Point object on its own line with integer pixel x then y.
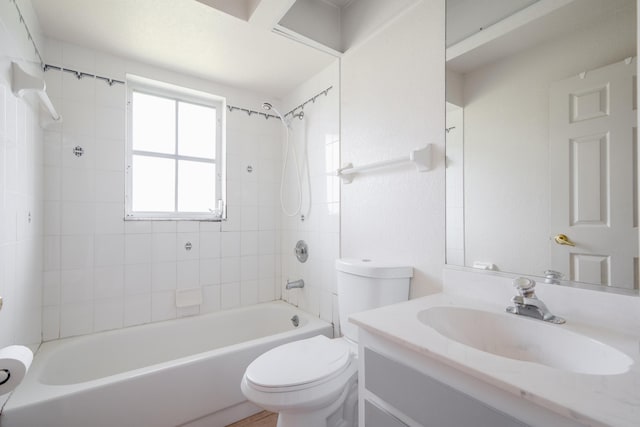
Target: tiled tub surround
{"type": "Point", "coordinates": [103, 273]}
{"type": "Point", "coordinates": [530, 392]}
{"type": "Point", "coordinates": [21, 189]}
{"type": "Point", "coordinates": [318, 135]}
{"type": "Point", "coordinates": [152, 375]}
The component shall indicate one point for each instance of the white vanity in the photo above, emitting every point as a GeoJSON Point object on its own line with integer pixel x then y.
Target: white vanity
{"type": "Point", "coordinates": [459, 359]}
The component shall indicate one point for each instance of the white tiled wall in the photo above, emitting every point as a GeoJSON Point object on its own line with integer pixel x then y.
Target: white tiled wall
{"type": "Point", "coordinates": [101, 272]}
{"type": "Point", "coordinates": [21, 213]}
{"type": "Point", "coordinates": [319, 131]}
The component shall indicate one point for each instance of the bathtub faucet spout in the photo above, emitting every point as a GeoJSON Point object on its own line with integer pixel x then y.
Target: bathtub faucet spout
{"type": "Point", "coordinates": [295, 284]}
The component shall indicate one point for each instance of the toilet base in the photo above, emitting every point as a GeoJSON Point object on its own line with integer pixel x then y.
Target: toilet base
{"type": "Point", "coordinates": [343, 412]}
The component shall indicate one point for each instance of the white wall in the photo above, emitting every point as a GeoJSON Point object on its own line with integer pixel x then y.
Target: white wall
{"type": "Point", "coordinates": [506, 110]}
{"type": "Point", "coordinates": [20, 186]}
{"type": "Point", "coordinates": [393, 100]}
{"type": "Point", "coordinates": [104, 273]}
{"type": "Point", "coordinates": [319, 131]}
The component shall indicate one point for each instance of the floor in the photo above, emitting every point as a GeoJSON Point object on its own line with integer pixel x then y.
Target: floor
{"type": "Point", "coordinates": [261, 419]}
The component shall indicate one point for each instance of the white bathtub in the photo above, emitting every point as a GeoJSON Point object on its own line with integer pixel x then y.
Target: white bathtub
{"type": "Point", "coordinates": [180, 372]}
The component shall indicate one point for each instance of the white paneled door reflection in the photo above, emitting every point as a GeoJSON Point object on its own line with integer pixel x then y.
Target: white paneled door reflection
{"type": "Point", "coordinates": [593, 167]}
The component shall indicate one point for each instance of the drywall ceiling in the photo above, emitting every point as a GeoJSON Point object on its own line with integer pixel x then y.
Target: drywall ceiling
{"type": "Point", "coordinates": [190, 37]}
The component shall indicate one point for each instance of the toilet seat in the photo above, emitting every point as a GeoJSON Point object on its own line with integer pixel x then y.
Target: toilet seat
{"type": "Point", "coordinates": [299, 365]}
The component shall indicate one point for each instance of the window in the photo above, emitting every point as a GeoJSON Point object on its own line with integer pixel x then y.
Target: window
{"type": "Point", "coordinates": [174, 164]}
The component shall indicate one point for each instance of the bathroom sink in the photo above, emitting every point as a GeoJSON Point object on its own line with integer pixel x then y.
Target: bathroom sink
{"type": "Point", "coordinates": [526, 340]}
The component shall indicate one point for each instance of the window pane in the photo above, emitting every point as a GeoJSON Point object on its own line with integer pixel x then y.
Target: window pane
{"type": "Point", "coordinates": [196, 186]}
{"type": "Point", "coordinates": [153, 123]}
{"type": "Point", "coordinates": [196, 130]}
{"type": "Point", "coordinates": [153, 184]}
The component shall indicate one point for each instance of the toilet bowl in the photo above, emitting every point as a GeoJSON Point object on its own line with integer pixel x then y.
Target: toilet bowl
{"type": "Point", "coordinates": [314, 382]}
{"type": "Point", "coordinates": [311, 382]}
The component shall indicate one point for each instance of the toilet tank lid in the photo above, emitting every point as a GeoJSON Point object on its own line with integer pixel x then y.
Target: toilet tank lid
{"type": "Point", "coordinates": [372, 268]}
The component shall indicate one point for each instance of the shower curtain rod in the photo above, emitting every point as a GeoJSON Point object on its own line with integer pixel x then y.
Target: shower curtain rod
{"type": "Point", "coordinates": [267, 116]}
{"type": "Point", "coordinates": [81, 74]}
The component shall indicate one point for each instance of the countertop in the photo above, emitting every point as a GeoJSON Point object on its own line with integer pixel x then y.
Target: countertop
{"type": "Point", "coordinates": [596, 400]}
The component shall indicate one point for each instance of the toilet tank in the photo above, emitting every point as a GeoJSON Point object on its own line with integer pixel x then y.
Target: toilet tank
{"type": "Point", "coordinates": [364, 284]}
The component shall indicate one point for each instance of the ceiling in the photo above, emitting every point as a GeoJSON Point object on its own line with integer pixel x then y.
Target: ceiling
{"type": "Point", "coordinates": [189, 37]}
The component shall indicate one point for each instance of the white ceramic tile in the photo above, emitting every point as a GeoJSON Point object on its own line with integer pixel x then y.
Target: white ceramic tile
{"type": "Point", "coordinates": [183, 252]}
{"type": "Point", "coordinates": [74, 89]}
{"type": "Point", "coordinates": [210, 244]}
{"type": "Point", "coordinates": [230, 244]}
{"type": "Point", "coordinates": [229, 295]}
{"type": "Point", "coordinates": [248, 292]}
{"type": "Point", "coordinates": [266, 266]}
{"type": "Point", "coordinates": [137, 279]}
{"type": "Point", "coordinates": [79, 118]}
{"type": "Point", "coordinates": [50, 323]}
{"type": "Point", "coordinates": [163, 247]}
{"type": "Point", "coordinates": [108, 282]}
{"type": "Point", "coordinates": [230, 270]}
{"type": "Point", "coordinates": [248, 268]}
{"type": "Point", "coordinates": [232, 223]}
{"type": "Point", "coordinates": [77, 185]}
{"type": "Point", "coordinates": [108, 249]}
{"type": "Point", "coordinates": [51, 288]}
{"type": "Point", "coordinates": [137, 248]}
{"type": "Point", "coordinates": [163, 306]}
{"type": "Point", "coordinates": [52, 148]}
{"type": "Point", "coordinates": [76, 319]}
{"type": "Point", "coordinates": [266, 242]}
{"type": "Point", "coordinates": [210, 299]}
{"type": "Point", "coordinates": [73, 143]}
{"type": "Point", "coordinates": [164, 227]}
{"type": "Point", "coordinates": [109, 123]}
{"type": "Point", "coordinates": [109, 186]}
{"type": "Point", "coordinates": [109, 218]}
{"type": "Point", "coordinates": [76, 286]}
{"type": "Point", "coordinates": [77, 218]}
{"type": "Point", "coordinates": [108, 314]}
{"type": "Point", "coordinates": [76, 252]}
{"type": "Point", "coordinates": [209, 271]}
{"type": "Point", "coordinates": [137, 227]}
{"type": "Point", "coordinates": [52, 183]}
{"type": "Point", "coordinates": [113, 96]}
{"type": "Point", "coordinates": [188, 274]}
{"type": "Point", "coordinates": [248, 243]}
{"type": "Point", "coordinates": [188, 226]}
{"type": "Point", "coordinates": [52, 218]}
{"type": "Point", "coordinates": [249, 218]}
{"type": "Point", "coordinates": [266, 289]}
{"type": "Point", "coordinates": [137, 309]}
{"type": "Point", "coordinates": [210, 226]}
{"type": "Point", "coordinates": [164, 276]}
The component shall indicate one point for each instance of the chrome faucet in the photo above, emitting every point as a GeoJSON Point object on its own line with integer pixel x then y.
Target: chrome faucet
{"type": "Point", "coordinates": [527, 304]}
{"type": "Point", "coordinates": [295, 284]}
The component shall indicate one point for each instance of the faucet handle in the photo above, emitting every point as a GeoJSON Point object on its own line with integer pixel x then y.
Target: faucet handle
{"type": "Point", "coordinates": [524, 286]}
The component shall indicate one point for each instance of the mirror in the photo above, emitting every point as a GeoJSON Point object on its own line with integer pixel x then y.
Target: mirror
{"type": "Point", "coordinates": [541, 139]}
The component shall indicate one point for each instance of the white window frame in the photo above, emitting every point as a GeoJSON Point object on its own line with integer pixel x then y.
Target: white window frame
{"type": "Point", "coordinates": [177, 93]}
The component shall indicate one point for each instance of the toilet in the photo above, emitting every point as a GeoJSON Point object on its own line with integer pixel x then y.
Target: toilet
{"type": "Point", "coordinates": [314, 382]}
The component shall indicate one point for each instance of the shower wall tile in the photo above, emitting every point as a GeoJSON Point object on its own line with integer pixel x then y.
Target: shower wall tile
{"type": "Point", "coordinates": [318, 132]}
{"type": "Point", "coordinates": [131, 269]}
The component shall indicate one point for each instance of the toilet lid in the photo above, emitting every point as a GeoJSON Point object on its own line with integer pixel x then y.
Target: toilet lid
{"type": "Point", "coordinates": [299, 362]}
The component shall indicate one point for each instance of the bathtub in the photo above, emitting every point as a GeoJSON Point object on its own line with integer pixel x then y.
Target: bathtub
{"type": "Point", "coordinates": [183, 372]}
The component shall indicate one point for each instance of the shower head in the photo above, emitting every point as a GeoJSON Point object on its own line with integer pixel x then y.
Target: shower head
{"type": "Point", "coordinates": [266, 106]}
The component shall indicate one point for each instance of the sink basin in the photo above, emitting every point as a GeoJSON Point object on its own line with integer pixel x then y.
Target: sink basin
{"type": "Point", "coordinates": [526, 340]}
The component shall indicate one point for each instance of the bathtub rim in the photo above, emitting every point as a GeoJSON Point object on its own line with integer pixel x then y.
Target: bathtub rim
{"type": "Point", "coordinates": [32, 390]}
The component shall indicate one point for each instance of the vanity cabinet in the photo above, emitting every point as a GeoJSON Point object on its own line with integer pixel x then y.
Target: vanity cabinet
{"type": "Point", "coordinates": [401, 387]}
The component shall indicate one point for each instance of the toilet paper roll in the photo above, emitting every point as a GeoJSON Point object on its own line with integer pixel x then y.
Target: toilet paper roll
{"type": "Point", "coordinates": [14, 363]}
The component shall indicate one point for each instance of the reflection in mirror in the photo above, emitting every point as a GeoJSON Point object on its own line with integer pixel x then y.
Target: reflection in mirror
{"type": "Point", "coordinates": [541, 139]}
